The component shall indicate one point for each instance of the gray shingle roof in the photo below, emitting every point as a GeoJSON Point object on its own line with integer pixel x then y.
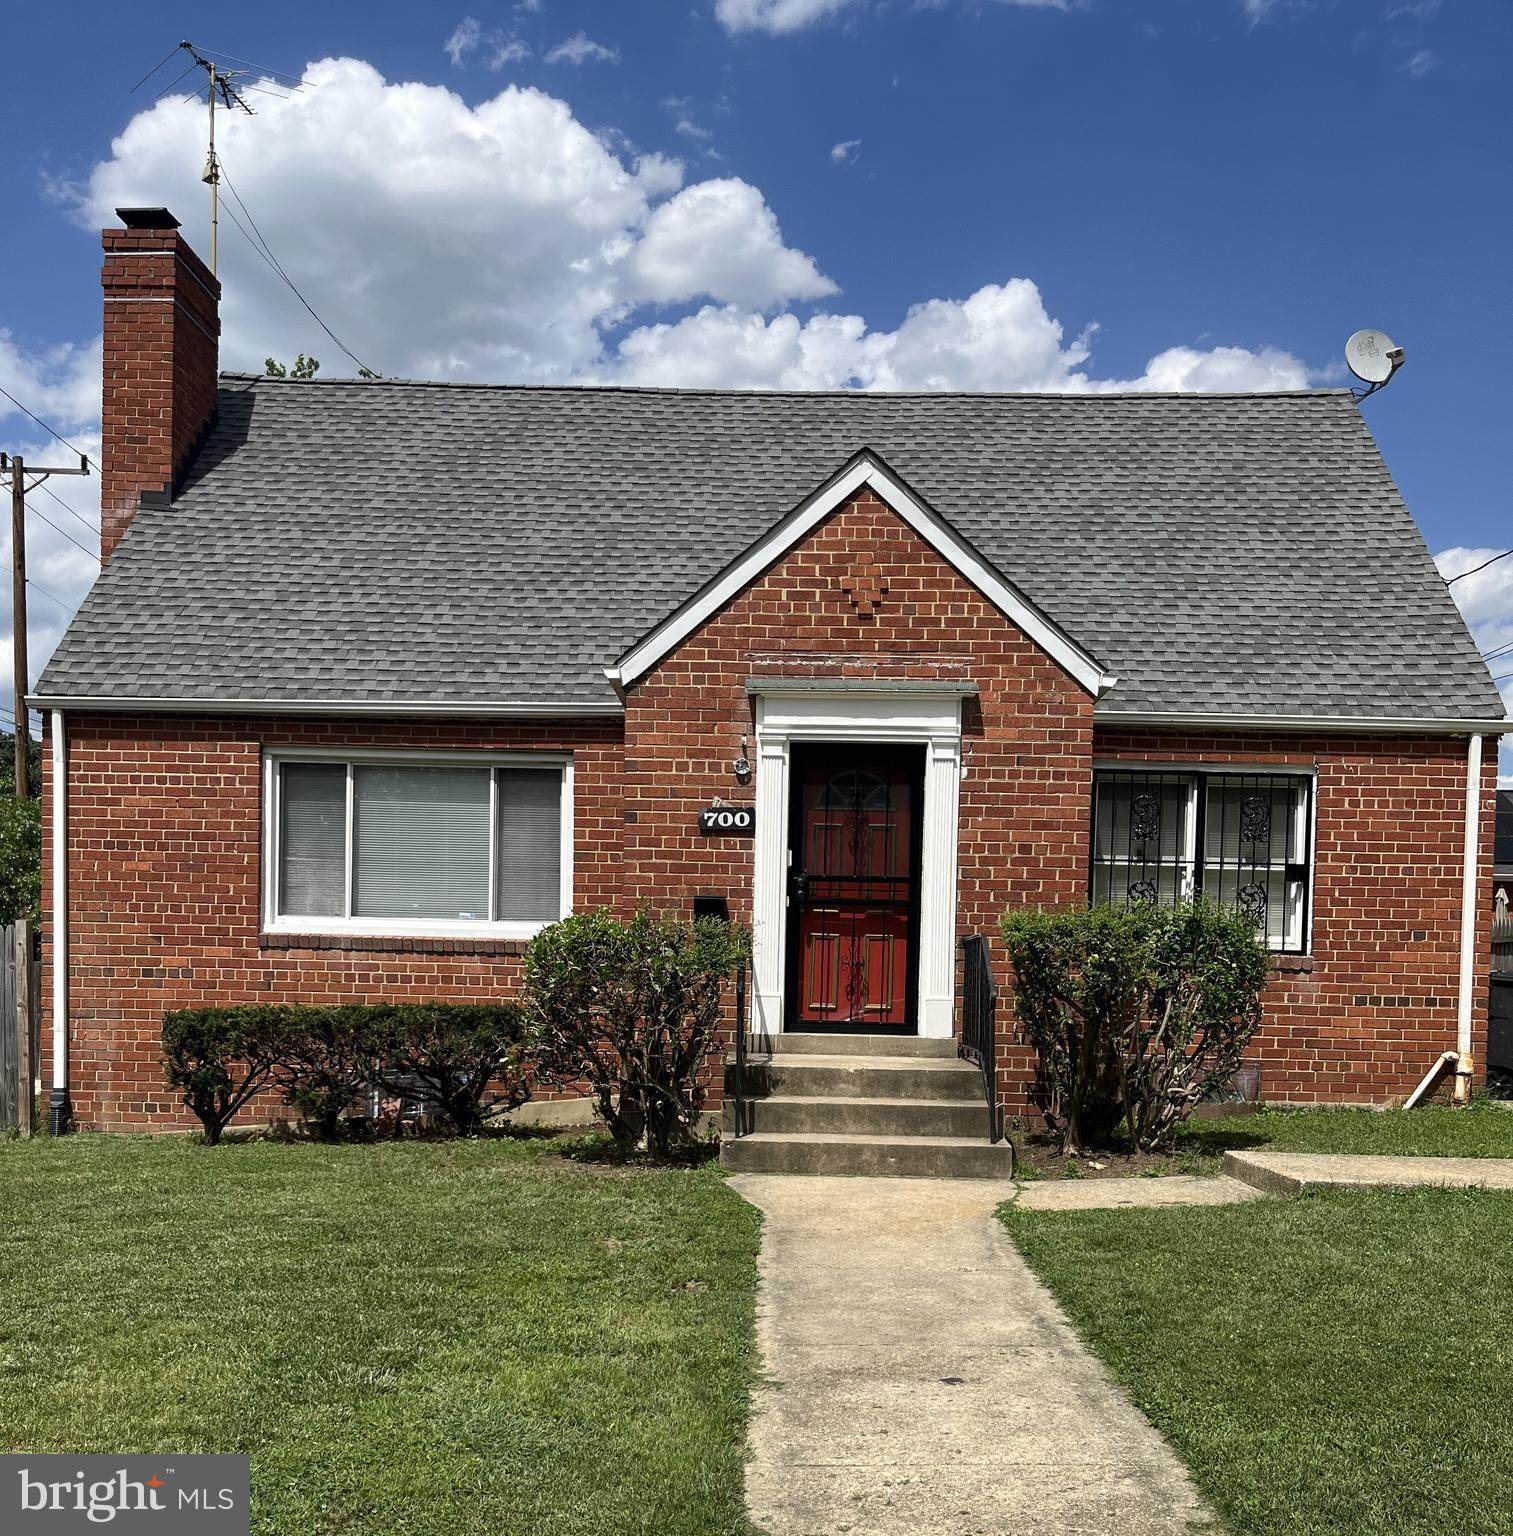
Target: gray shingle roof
{"type": "Point", "coordinates": [402, 542]}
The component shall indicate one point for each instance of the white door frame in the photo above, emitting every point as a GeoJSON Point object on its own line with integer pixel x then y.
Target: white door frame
{"type": "Point", "coordinates": [803, 709]}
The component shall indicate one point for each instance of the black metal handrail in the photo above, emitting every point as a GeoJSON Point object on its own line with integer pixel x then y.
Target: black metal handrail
{"type": "Point", "coordinates": [979, 1023]}
{"type": "Point", "coordinates": [740, 1051]}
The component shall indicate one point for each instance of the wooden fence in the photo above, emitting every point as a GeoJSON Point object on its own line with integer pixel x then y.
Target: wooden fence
{"type": "Point", "coordinates": [20, 1026]}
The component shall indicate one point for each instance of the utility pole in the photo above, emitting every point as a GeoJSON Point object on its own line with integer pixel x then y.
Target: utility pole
{"type": "Point", "coordinates": [20, 671]}
{"type": "Point", "coordinates": [22, 933]}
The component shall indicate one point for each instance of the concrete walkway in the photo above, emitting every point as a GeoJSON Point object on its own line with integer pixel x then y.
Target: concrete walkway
{"type": "Point", "coordinates": [1285, 1173]}
{"type": "Point", "coordinates": [1124, 1194]}
{"type": "Point", "coordinates": [922, 1381]}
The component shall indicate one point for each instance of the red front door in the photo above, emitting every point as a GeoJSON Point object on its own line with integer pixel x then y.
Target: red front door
{"type": "Point", "coordinates": [853, 879]}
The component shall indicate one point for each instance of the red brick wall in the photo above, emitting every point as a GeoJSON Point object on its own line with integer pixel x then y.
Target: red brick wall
{"type": "Point", "coordinates": [1363, 1016]}
{"type": "Point", "coordinates": [165, 838]}
{"type": "Point", "coordinates": [161, 336]}
{"type": "Point", "coordinates": [165, 888]}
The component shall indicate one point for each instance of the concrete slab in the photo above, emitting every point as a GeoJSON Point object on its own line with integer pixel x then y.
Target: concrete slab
{"type": "Point", "coordinates": [1285, 1173]}
{"type": "Point", "coordinates": [922, 1382]}
{"type": "Point", "coordinates": [1110, 1194]}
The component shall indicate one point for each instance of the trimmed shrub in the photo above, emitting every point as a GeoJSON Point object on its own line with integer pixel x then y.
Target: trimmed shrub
{"type": "Point", "coordinates": [463, 1061]}
{"type": "Point", "coordinates": [326, 1060]}
{"type": "Point", "coordinates": [1135, 1013]}
{"type": "Point", "coordinates": [634, 1008]}
{"type": "Point", "coordinates": [219, 1057]}
{"type": "Point", "coordinates": [468, 1060]}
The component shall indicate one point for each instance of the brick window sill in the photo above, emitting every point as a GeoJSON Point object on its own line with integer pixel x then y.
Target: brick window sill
{"type": "Point", "coordinates": [1292, 965]}
{"type": "Point", "coordinates": [364, 944]}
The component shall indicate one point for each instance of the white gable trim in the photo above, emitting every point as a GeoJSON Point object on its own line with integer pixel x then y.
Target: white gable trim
{"type": "Point", "coordinates": [864, 471]}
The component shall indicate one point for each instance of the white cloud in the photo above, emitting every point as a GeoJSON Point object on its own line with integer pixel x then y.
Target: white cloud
{"type": "Point", "coordinates": [463, 41]}
{"type": "Point", "coordinates": [783, 16]}
{"type": "Point", "coordinates": [62, 385]}
{"type": "Point", "coordinates": [845, 150]}
{"type": "Point", "coordinates": [504, 51]}
{"type": "Point", "coordinates": [580, 48]}
{"type": "Point", "coordinates": [452, 241]}
{"type": "Point", "coordinates": [1420, 63]}
{"type": "Point", "coordinates": [999, 338]}
{"type": "Point", "coordinates": [775, 16]}
{"type": "Point", "coordinates": [1486, 602]}
{"type": "Point", "coordinates": [721, 239]}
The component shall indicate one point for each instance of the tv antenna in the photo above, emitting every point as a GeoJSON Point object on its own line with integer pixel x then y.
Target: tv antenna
{"type": "Point", "coordinates": [1373, 357]}
{"type": "Point", "coordinates": [222, 86]}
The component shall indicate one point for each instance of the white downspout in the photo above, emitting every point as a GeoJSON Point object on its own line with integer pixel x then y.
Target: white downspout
{"type": "Point", "coordinates": [1470, 905]}
{"type": "Point", "coordinates": [57, 1107]}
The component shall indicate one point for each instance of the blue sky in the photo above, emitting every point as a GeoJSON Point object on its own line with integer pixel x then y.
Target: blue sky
{"type": "Point", "coordinates": [761, 191]}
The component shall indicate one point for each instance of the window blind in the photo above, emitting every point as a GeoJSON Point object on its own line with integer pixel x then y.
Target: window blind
{"type": "Point", "coordinates": [421, 842]}
{"type": "Point", "coordinates": [313, 840]}
{"type": "Point", "coordinates": [529, 863]}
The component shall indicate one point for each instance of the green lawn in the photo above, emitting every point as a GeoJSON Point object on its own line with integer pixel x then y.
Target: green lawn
{"type": "Point", "coordinates": [1481, 1129]}
{"type": "Point", "coordinates": [1334, 1364]}
{"type": "Point", "coordinates": [411, 1338]}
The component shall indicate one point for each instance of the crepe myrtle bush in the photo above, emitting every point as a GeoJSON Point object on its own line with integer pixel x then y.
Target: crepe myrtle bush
{"type": "Point", "coordinates": [633, 1007]}
{"type": "Point", "coordinates": [1134, 1013]}
{"type": "Point", "coordinates": [466, 1061]}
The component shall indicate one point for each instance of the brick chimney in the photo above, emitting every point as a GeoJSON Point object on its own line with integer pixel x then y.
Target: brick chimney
{"type": "Point", "coordinates": [162, 332]}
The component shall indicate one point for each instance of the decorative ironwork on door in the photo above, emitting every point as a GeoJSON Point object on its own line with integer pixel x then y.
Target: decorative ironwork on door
{"type": "Point", "coordinates": [853, 886]}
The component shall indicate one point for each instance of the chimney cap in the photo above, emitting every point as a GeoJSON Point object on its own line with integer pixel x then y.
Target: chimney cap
{"type": "Point", "coordinates": [147, 218]}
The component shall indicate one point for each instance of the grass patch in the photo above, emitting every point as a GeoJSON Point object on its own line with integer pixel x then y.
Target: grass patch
{"type": "Point", "coordinates": [1481, 1129]}
{"type": "Point", "coordinates": [1340, 1362]}
{"type": "Point", "coordinates": [455, 1338]}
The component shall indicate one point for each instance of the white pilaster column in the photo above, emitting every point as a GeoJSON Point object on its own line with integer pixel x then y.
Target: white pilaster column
{"type": "Point", "coordinates": [937, 903]}
{"type": "Point", "coordinates": [769, 906]}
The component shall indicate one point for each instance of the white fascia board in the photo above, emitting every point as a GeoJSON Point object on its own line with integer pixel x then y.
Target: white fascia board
{"type": "Point", "coordinates": [1396, 724]}
{"type": "Point", "coordinates": [455, 709]}
{"type": "Point", "coordinates": [865, 471]}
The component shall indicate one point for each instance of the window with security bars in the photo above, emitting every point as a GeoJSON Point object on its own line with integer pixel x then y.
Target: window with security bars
{"type": "Point", "coordinates": [398, 846]}
{"type": "Point", "coordinates": [1240, 838]}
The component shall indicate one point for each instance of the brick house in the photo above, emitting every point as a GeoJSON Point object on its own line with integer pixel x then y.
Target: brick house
{"type": "Point", "coordinates": [380, 676]}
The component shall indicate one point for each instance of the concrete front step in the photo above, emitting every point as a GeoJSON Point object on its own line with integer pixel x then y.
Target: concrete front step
{"type": "Point", "coordinates": [795, 1115]}
{"type": "Point", "coordinates": [917, 1157]}
{"type": "Point", "coordinates": [856, 1077]}
{"type": "Point", "coordinates": [801, 1043]}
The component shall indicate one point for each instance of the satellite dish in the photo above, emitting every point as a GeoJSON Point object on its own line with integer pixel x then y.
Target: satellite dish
{"type": "Point", "coordinates": [1373, 357]}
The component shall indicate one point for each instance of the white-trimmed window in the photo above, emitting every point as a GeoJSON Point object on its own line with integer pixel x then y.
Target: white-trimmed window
{"type": "Point", "coordinates": [1246, 839]}
{"type": "Point", "coordinates": [417, 843]}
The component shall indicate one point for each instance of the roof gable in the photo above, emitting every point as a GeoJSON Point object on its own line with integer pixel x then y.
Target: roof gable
{"type": "Point", "coordinates": [865, 471]}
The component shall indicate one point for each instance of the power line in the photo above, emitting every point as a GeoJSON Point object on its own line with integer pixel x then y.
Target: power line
{"type": "Point", "coordinates": [1451, 580]}
{"type": "Point", "coordinates": [261, 246]}
{"type": "Point", "coordinates": [51, 596]}
{"type": "Point", "coordinates": [93, 554]}
{"type": "Point", "coordinates": [46, 428]}
{"type": "Point", "coordinates": [42, 486]}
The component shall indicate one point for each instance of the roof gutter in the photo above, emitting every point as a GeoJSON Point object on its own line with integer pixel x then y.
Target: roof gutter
{"type": "Point", "coordinates": [1396, 724]}
{"type": "Point", "coordinates": [451, 708]}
